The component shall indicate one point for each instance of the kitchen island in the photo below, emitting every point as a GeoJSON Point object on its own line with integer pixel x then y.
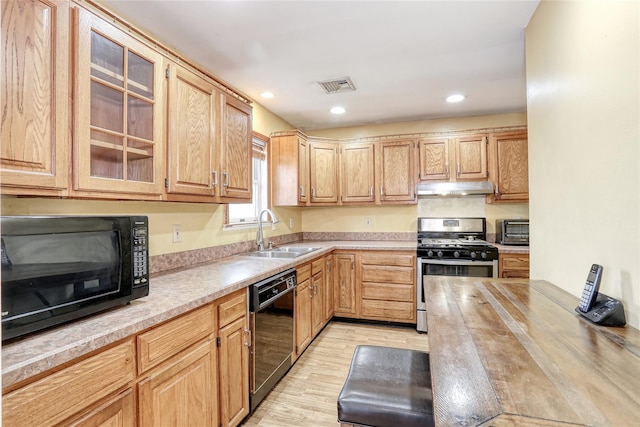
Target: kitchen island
{"type": "Point", "coordinates": [508, 352]}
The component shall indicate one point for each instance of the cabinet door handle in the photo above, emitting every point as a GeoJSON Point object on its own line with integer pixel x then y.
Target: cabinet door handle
{"type": "Point", "coordinates": [458, 169]}
{"type": "Point", "coordinates": [302, 191]}
{"type": "Point", "coordinates": [226, 179]}
{"type": "Point", "coordinates": [313, 193]}
{"type": "Point", "coordinates": [371, 192]}
{"type": "Point", "coordinates": [496, 191]}
{"type": "Point", "coordinates": [214, 175]}
{"type": "Point", "coordinates": [381, 190]}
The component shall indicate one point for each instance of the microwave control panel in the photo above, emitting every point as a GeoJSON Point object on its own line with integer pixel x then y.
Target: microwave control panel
{"type": "Point", "coordinates": [140, 256]}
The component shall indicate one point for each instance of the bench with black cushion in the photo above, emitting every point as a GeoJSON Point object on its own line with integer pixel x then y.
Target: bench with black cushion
{"type": "Point", "coordinates": [387, 387]}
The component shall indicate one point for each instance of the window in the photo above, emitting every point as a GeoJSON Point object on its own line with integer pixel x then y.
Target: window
{"type": "Point", "coordinates": [246, 214]}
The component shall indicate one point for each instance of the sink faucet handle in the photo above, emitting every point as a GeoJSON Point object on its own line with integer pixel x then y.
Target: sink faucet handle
{"type": "Point", "coordinates": [271, 244]}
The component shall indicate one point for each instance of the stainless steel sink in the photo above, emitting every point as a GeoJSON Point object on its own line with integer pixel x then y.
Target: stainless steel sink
{"type": "Point", "coordinates": [286, 252]}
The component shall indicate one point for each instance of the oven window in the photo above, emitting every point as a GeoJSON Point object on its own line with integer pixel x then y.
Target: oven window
{"type": "Point", "coordinates": [50, 271]}
{"type": "Point", "coordinates": [458, 270]}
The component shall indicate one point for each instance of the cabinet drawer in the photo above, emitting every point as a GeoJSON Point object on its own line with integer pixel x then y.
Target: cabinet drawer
{"type": "Point", "coordinates": [388, 310]}
{"type": "Point", "coordinates": [303, 272]}
{"type": "Point", "coordinates": [515, 262]}
{"type": "Point", "coordinates": [388, 292]}
{"type": "Point", "coordinates": [385, 258]}
{"type": "Point", "coordinates": [232, 307]}
{"type": "Point", "coordinates": [317, 265]}
{"type": "Point", "coordinates": [60, 395]}
{"type": "Point", "coordinates": [167, 340]}
{"type": "Point", "coordinates": [378, 273]}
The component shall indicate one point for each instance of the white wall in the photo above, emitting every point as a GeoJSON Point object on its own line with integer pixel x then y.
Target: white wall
{"type": "Point", "coordinates": [583, 115]}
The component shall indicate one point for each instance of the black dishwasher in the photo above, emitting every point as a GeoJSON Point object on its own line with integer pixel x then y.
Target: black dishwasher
{"type": "Point", "coordinates": [272, 333]}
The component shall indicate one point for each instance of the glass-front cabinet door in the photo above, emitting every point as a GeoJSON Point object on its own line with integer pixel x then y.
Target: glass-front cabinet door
{"type": "Point", "coordinates": [118, 112]}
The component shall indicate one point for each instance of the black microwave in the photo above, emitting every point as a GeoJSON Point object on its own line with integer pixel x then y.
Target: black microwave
{"type": "Point", "coordinates": [59, 268]}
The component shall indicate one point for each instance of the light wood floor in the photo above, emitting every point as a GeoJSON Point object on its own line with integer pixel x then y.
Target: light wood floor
{"type": "Point", "coordinates": [307, 395]}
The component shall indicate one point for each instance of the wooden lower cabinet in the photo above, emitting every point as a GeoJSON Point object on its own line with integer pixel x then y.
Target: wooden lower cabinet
{"type": "Point", "coordinates": [388, 286]}
{"type": "Point", "coordinates": [117, 411]}
{"type": "Point", "coordinates": [193, 370]}
{"type": "Point", "coordinates": [375, 285]}
{"type": "Point", "coordinates": [233, 359]}
{"type": "Point", "coordinates": [513, 266]}
{"type": "Point", "coordinates": [344, 284]}
{"type": "Point", "coordinates": [68, 393]}
{"type": "Point", "coordinates": [302, 310]}
{"type": "Point", "coordinates": [182, 391]}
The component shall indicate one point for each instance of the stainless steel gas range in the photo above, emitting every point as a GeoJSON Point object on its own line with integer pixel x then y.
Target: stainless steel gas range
{"type": "Point", "coordinates": [452, 247]}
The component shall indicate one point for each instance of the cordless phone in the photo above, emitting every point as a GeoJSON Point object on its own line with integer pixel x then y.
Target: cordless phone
{"type": "Point", "coordinates": [598, 307]}
{"type": "Point", "coordinates": [590, 291]}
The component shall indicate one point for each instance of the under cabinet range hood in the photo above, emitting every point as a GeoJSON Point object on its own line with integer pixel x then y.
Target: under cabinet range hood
{"type": "Point", "coordinates": [461, 188]}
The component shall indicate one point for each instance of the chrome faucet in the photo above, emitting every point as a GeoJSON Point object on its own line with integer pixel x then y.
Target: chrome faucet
{"type": "Point", "coordinates": [260, 236]}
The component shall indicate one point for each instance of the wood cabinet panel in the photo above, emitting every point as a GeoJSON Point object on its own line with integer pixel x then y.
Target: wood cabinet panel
{"type": "Point", "coordinates": [167, 340]}
{"type": "Point", "coordinates": [193, 124]}
{"type": "Point", "coordinates": [328, 288]}
{"type": "Point", "coordinates": [117, 411]}
{"type": "Point", "coordinates": [509, 167]}
{"type": "Point", "coordinates": [471, 157]}
{"type": "Point", "coordinates": [357, 173]}
{"type": "Point", "coordinates": [232, 307]}
{"type": "Point", "coordinates": [394, 311]}
{"type": "Point", "coordinates": [323, 172]}
{"type": "Point", "coordinates": [344, 284]}
{"type": "Point", "coordinates": [234, 372]}
{"type": "Point", "coordinates": [82, 384]}
{"type": "Point", "coordinates": [513, 265]}
{"type": "Point", "coordinates": [34, 154]}
{"type": "Point", "coordinates": [387, 259]}
{"type": "Point", "coordinates": [118, 147]}
{"type": "Point", "coordinates": [182, 391]}
{"type": "Point", "coordinates": [388, 291]}
{"type": "Point", "coordinates": [403, 275]}
{"type": "Point", "coordinates": [434, 159]}
{"type": "Point", "coordinates": [396, 168]}
{"type": "Point", "coordinates": [289, 170]}
{"type": "Point", "coordinates": [235, 155]}
{"type": "Point", "coordinates": [303, 295]}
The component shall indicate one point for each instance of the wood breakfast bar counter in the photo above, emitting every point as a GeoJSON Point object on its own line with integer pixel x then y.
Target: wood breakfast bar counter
{"type": "Point", "coordinates": [511, 352]}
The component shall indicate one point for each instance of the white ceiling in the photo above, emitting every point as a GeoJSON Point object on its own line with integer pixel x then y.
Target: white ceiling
{"type": "Point", "coordinates": [404, 57]}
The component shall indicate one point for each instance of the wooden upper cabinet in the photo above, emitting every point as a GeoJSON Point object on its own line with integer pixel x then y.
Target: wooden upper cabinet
{"type": "Point", "coordinates": [118, 107]}
{"type": "Point", "coordinates": [323, 172]}
{"type": "Point", "coordinates": [509, 167]}
{"type": "Point", "coordinates": [396, 168]}
{"type": "Point", "coordinates": [471, 157]}
{"type": "Point", "coordinates": [434, 159]}
{"type": "Point", "coordinates": [35, 98]}
{"type": "Point", "coordinates": [357, 173]}
{"type": "Point", "coordinates": [289, 169]}
{"type": "Point", "coordinates": [235, 151]}
{"type": "Point", "coordinates": [193, 126]}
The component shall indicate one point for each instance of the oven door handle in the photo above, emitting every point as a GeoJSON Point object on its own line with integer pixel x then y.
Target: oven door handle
{"type": "Point", "coordinates": [454, 262]}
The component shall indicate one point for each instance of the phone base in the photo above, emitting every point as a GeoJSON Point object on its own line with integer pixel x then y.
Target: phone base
{"type": "Point", "coordinates": [607, 311]}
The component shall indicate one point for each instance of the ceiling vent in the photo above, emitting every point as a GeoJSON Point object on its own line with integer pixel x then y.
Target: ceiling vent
{"type": "Point", "coordinates": [343, 84]}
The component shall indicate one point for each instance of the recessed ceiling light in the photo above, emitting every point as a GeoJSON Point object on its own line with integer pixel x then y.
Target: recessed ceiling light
{"type": "Point", "coordinates": [337, 110]}
{"type": "Point", "coordinates": [455, 98]}
{"type": "Point", "coordinates": [267, 94]}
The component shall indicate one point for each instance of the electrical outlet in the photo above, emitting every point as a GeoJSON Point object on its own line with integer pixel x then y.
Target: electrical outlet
{"type": "Point", "coordinates": [177, 233]}
{"type": "Point", "coordinates": [291, 223]}
{"type": "Point", "coordinates": [369, 221]}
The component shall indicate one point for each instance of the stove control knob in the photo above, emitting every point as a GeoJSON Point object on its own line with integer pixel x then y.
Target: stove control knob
{"type": "Point", "coordinates": [473, 255]}
{"type": "Point", "coordinates": [430, 253]}
{"type": "Point", "coordinates": [440, 254]}
{"type": "Point", "coordinates": [483, 255]}
{"type": "Point", "coordinates": [456, 254]}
